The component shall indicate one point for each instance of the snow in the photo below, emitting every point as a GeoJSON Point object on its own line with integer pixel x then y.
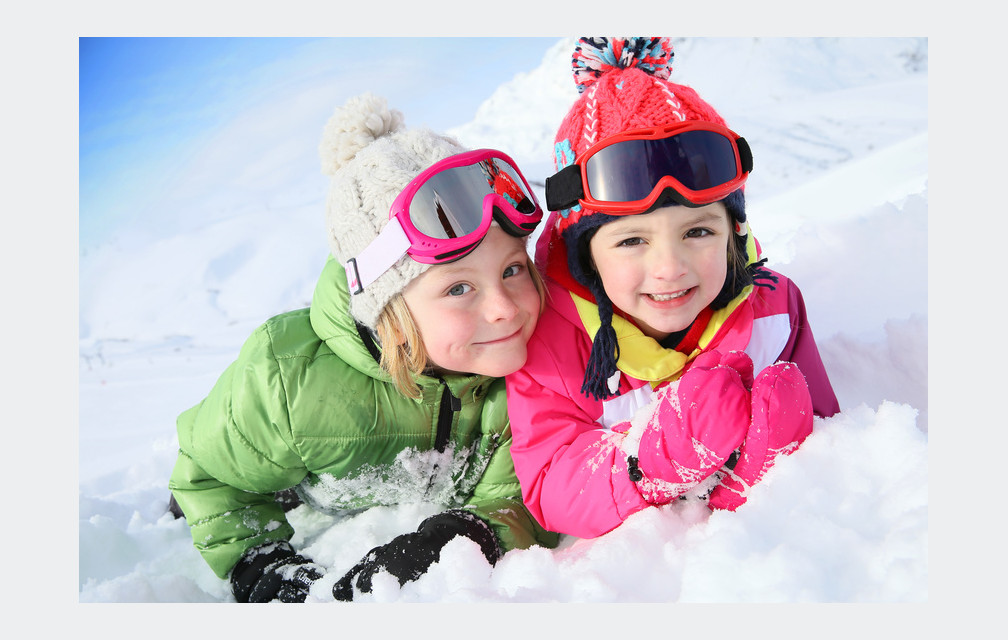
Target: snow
{"type": "Point", "coordinates": [839, 201]}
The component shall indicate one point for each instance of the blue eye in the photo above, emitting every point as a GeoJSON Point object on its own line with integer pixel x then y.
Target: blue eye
{"type": "Point", "coordinates": [459, 289]}
{"type": "Point", "coordinates": [513, 270]}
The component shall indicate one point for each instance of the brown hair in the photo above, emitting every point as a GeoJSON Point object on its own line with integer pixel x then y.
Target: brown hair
{"type": "Point", "coordinates": [403, 354]}
{"type": "Point", "coordinates": [737, 258]}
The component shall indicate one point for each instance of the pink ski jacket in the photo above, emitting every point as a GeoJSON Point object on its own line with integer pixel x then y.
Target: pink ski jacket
{"type": "Point", "coordinates": [571, 465]}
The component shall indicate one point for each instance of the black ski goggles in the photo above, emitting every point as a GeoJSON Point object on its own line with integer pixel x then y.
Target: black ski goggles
{"type": "Point", "coordinates": [699, 162]}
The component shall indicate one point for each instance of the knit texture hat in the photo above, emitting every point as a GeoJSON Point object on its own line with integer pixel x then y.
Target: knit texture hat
{"type": "Point", "coordinates": [370, 157]}
{"type": "Point", "coordinates": [624, 85]}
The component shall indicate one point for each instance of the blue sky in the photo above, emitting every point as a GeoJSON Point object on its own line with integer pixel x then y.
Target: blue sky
{"type": "Point", "coordinates": [160, 116]}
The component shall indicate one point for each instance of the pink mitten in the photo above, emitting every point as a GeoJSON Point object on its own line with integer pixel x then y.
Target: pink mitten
{"type": "Point", "coordinates": [697, 424]}
{"type": "Point", "coordinates": [737, 360]}
{"type": "Point", "coordinates": [781, 420]}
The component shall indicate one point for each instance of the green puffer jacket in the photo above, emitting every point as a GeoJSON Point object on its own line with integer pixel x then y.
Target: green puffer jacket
{"type": "Point", "coordinates": [306, 405]}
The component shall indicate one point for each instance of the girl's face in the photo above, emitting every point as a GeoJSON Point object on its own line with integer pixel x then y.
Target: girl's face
{"type": "Point", "coordinates": [476, 314]}
{"type": "Point", "coordinates": [664, 267]}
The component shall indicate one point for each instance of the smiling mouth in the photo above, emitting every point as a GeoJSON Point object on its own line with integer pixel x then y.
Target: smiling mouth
{"type": "Point", "coordinates": [665, 297]}
{"type": "Point", "coordinates": [504, 338]}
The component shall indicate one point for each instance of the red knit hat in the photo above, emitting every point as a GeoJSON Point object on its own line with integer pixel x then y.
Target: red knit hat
{"type": "Point", "coordinates": [624, 85]}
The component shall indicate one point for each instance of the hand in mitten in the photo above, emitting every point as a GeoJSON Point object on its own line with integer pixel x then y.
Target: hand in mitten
{"type": "Point", "coordinates": [273, 571]}
{"type": "Point", "coordinates": [697, 424]}
{"type": "Point", "coordinates": [407, 557]}
{"type": "Point", "coordinates": [781, 420]}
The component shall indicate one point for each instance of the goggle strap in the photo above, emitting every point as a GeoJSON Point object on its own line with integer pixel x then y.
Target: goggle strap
{"type": "Point", "coordinates": [383, 252]}
{"type": "Point", "coordinates": [745, 154]}
{"type": "Point", "coordinates": [564, 188]}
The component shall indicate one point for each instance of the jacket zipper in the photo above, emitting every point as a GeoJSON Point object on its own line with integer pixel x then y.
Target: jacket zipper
{"type": "Point", "coordinates": [446, 414]}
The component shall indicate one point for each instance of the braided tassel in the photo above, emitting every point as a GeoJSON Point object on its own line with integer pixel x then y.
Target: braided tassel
{"type": "Point", "coordinates": [604, 353]}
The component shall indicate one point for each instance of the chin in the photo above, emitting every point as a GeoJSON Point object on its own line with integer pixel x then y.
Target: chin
{"type": "Point", "coordinates": [506, 366]}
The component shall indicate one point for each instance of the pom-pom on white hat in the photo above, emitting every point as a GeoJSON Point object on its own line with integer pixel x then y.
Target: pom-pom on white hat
{"type": "Point", "coordinates": [371, 157]}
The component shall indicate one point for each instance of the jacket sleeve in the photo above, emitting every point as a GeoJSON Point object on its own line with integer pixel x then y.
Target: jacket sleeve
{"type": "Point", "coordinates": [801, 349]}
{"type": "Point", "coordinates": [573, 475]}
{"type": "Point", "coordinates": [497, 498]}
{"type": "Point", "coordinates": [235, 452]}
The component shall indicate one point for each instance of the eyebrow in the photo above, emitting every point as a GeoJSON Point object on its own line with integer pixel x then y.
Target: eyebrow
{"type": "Point", "coordinates": [704, 217]}
{"type": "Point", "coordinates": [453, 270]}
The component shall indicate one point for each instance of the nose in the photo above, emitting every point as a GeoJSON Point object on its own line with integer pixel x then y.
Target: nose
{"type": "Point", "coordinates": [666, 263]}
{"type": "Point", "coordinates": [499, 305]}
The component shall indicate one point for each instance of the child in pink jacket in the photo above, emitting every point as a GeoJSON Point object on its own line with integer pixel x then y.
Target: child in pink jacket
{"type": "Point", "coordinates": [669, 362]}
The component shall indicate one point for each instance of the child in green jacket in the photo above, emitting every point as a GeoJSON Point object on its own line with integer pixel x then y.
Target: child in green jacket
{"type": "Point", "coordinates": [389, 388]}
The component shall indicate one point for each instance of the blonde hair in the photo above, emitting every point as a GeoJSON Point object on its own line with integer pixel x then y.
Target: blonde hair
{"type": "Point", "coordinates": [403, 354]}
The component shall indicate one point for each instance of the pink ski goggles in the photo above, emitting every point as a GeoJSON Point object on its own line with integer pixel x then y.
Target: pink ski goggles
{"type": "Point", "coordinates": [446, 211]}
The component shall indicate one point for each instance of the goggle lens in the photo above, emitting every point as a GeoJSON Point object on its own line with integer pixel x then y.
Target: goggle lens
{"type": "Point", "coordinates": [450, 204]}
{"type": "Point", "coordinates": [629, 170]}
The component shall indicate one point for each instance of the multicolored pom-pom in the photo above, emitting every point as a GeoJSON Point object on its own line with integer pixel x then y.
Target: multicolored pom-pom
{"type": "Point", "coordinates": [595, 56]}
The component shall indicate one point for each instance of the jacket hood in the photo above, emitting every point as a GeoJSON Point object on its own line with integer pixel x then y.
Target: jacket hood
{"type": "Point", "coordinates": [331, 320]}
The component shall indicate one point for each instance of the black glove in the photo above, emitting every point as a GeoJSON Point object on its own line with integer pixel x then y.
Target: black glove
{"type": "Point", "coordinates": [407, 557]}
{"type": "Point", "coordinates": [273, 572]}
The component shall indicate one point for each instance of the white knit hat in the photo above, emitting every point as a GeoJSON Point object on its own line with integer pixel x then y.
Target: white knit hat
{"type": "Point", "coordinates": [371, 157]}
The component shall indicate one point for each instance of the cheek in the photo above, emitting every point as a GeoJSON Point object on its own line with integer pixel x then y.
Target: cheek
{"type": "Point", "coordinates": [445, 338]}
{"type": "Point", "coordinates": [439, 324]}
{"type": "Point", "coordinates": [716, 265]}
{"type": "Point", "coordinates": [530, 299]}
{"type": "Point", "coordinates": [450, 324]}
{"type": "Point", "coordinates": [619, 275]}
